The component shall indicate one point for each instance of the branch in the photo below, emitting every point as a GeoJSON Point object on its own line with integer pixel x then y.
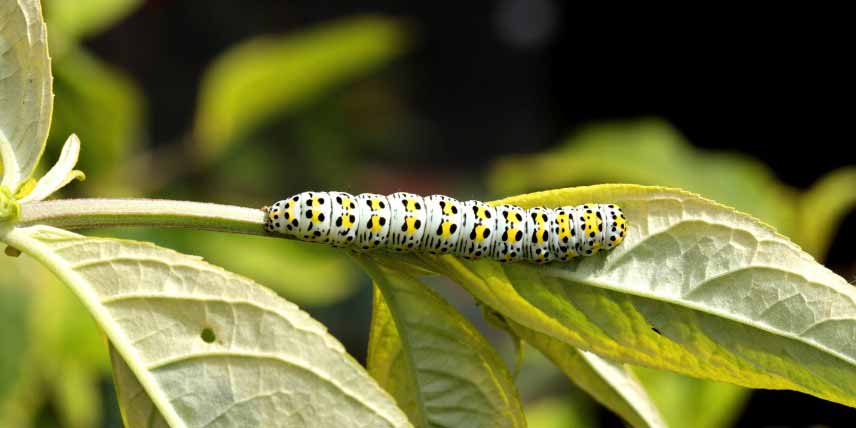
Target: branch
{"type": "Point", "coordinates": [95, 213]}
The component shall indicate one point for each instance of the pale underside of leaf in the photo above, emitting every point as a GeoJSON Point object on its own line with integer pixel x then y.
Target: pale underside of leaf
{"type": "Point", "coordinates": [138, 410]}
{"type": "Point", "coordinates": [208, 347]}
{"type": "Point", "coordinates": [695, 288]}
{"type": "Point", "coordinates": [25, 89]}
{"type": "Point", "coordinates": [438, 366]}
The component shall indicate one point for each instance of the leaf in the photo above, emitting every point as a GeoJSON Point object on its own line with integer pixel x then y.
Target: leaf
{"type": "Point", "coordinates": [134, 402]}
{"type": "Point", "coordinates": [104, 107]}
{"type": "Point", "coordinates": [650, 151]}
{"type": "Point", "coordinates": [60, 174]}
{"type": "Point", "coordinates": [611, 384]}
{"type": "Point", "coordinates": [441, 370]}
{"type": "Point", "coordinates": [822, 208]}
{"type": "Point", "coordinates": [695, 288]}
{"type": "Point", "coordinates": [691, 402]}
{"type": "Point", "coordinates": [556, 413]}
{"type": "Point", "coordinates": [64, 360]}
{"type": "Point", "coordinates": [264, 76]}
{"type": "Point", "coordinates": [316, 276]}
{"type": "Point", "coordinates": [25, 89]}
{"type": "Point", "coordinates": [82, 18]}
{"type": "Point", "coordinates": [388, 364]}
{"type": "Point", "coordinates": [14, 307]}
{"type": "Point", "coordinates": [209, 347]}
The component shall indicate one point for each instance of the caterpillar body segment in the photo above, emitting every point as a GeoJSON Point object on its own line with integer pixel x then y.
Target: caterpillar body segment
{"type": "Point", "coordinates": [407, 221]}
{"type": "Point", "coordinates": [444, 218]}
{"type": "Point", "coordinates": [437, 224]}
{"type": "Point", "coordinates": [373, 226]}
{"type": "Point", "coordinates": [344, 220]}
{"type": "Point", "coordinates": [479, 225]}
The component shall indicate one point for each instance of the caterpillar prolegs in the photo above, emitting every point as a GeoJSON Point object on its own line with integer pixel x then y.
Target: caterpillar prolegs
{"type": "Point", "coordinates": [439, 225]}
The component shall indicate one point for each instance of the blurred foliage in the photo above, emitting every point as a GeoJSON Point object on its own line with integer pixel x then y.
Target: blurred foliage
{"type": "Point", "coordinates": [61, 358]}
{"type": "Point", "coordinates": [690, 402]}
{"type": "Point", "coordinates": [556, 412]}
{"type": "Point", "coordinates": [822, 208]}
{"type": "Point", "coordinates": [68, 21]}
{"type": "Point", "coordinates": [650, 151]}
{"type": "Point", "coordinates": [105, 109]}
{"type": "Point", "coordinates": [252, 82]}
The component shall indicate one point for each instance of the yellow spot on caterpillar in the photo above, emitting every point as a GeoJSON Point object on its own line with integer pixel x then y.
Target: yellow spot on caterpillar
{"type": "Point", "coordinates": [480, 232]}
{"type": "Point", "coordinates": [346, 203]}
{"type": "Point", "coordinates": [375, 225]}
{"type": "Point", "coordinates": [317, 216]}
{"type": "Point", "coordinates": [375, 204]}
{"type": "Point", "coordinates": [447, 210]}
{"type": "Point", "coordinates": [411, 225]}
{"type": "Point", "coordinates": [564, 231]}
{"type": "Point", "coordinates": [512, 235]}
{"type": "Point", "coordinates": [446, 229]}
{"type": "Point", "coordinates": [481, 212]}
{"type": "Point", "coordinates": [410, 205]}
{"type": "Point", "coordinates": [511, 218]}
{"type": "Point", "coordinates": [346, 221]}
{"type": "Point", "coordinates": [540, 235]}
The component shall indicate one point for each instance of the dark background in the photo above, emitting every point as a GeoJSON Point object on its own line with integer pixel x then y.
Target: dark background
{"type": "Point", "coordinates": [505, 77]}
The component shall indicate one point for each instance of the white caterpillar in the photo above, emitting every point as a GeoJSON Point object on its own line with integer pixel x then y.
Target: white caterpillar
{"type": "Point", "coordinates": [439, 224]}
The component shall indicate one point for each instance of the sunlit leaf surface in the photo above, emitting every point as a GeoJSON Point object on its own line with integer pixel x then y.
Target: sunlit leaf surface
{"type": "Point", "coordinates": [695, 288]}
{"type": "Point", "coordinates": [210, 348]}
{"type": "Point", "coordinates": [25, 89]}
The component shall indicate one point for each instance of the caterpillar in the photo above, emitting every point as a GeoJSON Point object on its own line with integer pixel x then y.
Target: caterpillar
{"type": "Point", "coordinates": [437, 224]}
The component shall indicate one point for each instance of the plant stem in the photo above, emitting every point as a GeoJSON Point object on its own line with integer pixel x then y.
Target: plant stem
{"type": "Point", "coordinates": [95, 213]}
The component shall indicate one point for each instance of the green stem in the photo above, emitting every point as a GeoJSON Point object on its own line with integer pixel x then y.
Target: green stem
{"type": "Point", "coordinates": [95, 213]}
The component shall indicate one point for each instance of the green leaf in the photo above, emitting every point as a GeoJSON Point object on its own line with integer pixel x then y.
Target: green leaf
{"type": "Point", "coordinates": [557, 413]}
{"type": "Point", "coordinates": [64, 360]}
{"type": "Point", "coordinates": [60, 174]}
{"type": "Point", "coordinates": [651, 152]}
{"type": "Point", "coordinates": [695, 288]}
{"type": "Point", "coordinates": [80, 18]}
{"type": "Point", "coordinates": [389, 365]}
{"type": "Point", "coordinates": [308, 275]}
{"type": "Point", "coordinates": [822, 208]}
{"type": "Point", "coordinates": [210, 347]}
{"type": "Point", "coordinates": [441, 370]}
{"type": "Point", "coordinates": [104, 107]}
{"type": "Point", "coordinates": [612, 384]}
{"type": "Point", "coordinates": [262, 77]}
{"type": "Point", "coordinates": [692, 402]}
{"type": "Point", "coordinates": [25, 89]}
{"type": "Point", "coordinates": [14, 307]}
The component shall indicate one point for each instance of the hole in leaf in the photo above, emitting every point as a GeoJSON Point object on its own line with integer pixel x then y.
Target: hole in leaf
{"type": "Point", "coordinates": [208, 335]}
